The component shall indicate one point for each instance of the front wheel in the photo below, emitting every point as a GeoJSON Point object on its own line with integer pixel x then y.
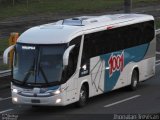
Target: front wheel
{"type": "Point", "coordinates": [83, 97]}
{"type": "Point", "coordinates": [134, 80]}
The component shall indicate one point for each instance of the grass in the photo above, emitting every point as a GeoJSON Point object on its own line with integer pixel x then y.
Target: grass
{"type": "Point", "coordinates": [3, 45]}
{"type": "Point", "coordinates": [4, 67]}
{"type": "Point", "coordinates": [157, 22]}
{"type": "Point", "coordinates": [56, 6]}
{"type": "Point", "coordinates": [64, 7]}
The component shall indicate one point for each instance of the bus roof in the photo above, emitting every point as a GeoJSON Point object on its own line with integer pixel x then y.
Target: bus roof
{"type": "Point", "coordinates": [64, 31]}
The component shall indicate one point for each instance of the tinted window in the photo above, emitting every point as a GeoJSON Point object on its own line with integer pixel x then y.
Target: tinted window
{"type": "Point", "coordinates": [103, 42]}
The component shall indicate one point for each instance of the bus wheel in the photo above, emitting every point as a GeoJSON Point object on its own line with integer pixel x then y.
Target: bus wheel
{"type": "Point", "coordinates": [83, 97]}
{"type": "Point", "coordinates": [134, 80]}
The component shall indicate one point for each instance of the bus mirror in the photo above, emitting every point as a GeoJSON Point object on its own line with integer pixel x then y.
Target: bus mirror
{"type": "Point", "coordinates": [66, 55]}
{"type": "Point", "coordinates": [6, 52]}
{"type": "Point", "coordinates": [12, 41]}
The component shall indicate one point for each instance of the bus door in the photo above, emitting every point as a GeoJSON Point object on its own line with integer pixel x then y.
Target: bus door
{"type": "Point", "coordinates": [72, 69]}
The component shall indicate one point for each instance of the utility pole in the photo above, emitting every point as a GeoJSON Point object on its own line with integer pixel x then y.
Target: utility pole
{"type": "Point", "coordinates": [127, 6]}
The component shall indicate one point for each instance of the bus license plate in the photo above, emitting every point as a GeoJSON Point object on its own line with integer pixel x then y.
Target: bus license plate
{"type": "Point", "coordinates": [35, 101]}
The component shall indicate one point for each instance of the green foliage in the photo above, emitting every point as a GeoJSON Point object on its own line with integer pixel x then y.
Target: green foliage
{"type": "Point", "coordinates": [3, 45]}
{"type": "Point", "coordinates": [158, 23]}
{"type": "Point", "coordinates": [33, 7]}
{"type": "Point", "coordinates": [4, 67]}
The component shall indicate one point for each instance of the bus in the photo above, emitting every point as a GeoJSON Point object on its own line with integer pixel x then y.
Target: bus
{"type": "Point", "coordinates": [71, 60]}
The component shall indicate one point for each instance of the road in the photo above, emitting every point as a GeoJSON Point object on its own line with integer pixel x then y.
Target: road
{"type": "Point", "coordinates": [146, 99]}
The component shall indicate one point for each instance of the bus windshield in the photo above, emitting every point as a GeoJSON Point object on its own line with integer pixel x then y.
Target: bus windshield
{"type": "Point", "coordinates": [38, 64]}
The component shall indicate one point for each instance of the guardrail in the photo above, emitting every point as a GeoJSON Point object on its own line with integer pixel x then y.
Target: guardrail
{"type": "Point", "coordinates": [5, 73]}
{"type": "Point", "coordinates": [157, 31]}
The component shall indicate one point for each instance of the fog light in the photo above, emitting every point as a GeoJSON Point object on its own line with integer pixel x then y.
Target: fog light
{"type": "Point", "coordinates": [15, 99]}
{"type": "Point", "coordinates": [58, 100]}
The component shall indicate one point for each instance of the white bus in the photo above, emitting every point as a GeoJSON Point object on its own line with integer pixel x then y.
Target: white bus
{"type": "Point", "coordinates": [74, 59]}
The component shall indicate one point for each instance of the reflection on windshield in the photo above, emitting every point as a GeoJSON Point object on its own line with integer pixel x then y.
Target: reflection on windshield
{"type": "Point", "coordinates": [38, 64]}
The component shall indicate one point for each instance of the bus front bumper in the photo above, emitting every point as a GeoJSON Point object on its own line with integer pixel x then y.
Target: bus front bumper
{"type": "Point", "coordinates": [56, 100]}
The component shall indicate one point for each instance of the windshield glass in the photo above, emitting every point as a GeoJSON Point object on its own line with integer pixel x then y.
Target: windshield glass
{"type": "Point", "coordinates": [38, 64]}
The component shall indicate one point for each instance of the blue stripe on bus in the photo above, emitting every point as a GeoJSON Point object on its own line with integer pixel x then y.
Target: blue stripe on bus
{"type": "Point", "coordinates": [134, 54]}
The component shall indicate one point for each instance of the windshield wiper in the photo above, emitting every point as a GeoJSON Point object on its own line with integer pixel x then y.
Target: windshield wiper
{"type": "Point", "coordinates": [29, 72]}
{"type": "Point", "coordinates": [35, 72]}
{"type": "Point", "coordinates": [39, 68]}
{"type": "Point", "coordinates": [43, 74]}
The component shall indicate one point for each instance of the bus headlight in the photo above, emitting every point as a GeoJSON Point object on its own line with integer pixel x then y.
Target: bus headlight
{"type": "Point", "coordinates": [15, 90]}
{"type": "Point", "coordinates": [57, 92]}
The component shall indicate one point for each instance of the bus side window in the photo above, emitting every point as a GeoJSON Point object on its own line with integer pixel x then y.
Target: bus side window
{"type": "Point", "coordinates": [148, 31]}
{"type": "Point", "coordinates": [73, 58]}
{"type": "Point", "coordinates": [87, 49]}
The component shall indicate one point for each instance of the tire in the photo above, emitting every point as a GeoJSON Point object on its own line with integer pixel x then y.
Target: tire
{"type": "Point", "coordinates": [83, 98]}
{"type": "Point", "coordinates": [134, 80]}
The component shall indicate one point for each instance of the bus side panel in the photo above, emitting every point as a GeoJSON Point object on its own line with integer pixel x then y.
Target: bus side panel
{"type": "Point", "coordinates": [148, 65]}
{"type": "Point", "coordinates": [146, 68]}
{"type": "Point", "coordinates": [112, 71]}
{"type": "Point", "coordinates": [151, 56]}
{"type": "Point", "coordinates": [97, 73]}
{"type": "Point", "coordinates": [117, 63]}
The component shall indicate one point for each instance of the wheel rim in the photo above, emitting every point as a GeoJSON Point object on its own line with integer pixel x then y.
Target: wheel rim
{"type": "Point", "coordinates": [83, 95]}
{"type": "Point", "coordinates": [135, 80]}
{"type": "Point", "coordinates": [135, 83]}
